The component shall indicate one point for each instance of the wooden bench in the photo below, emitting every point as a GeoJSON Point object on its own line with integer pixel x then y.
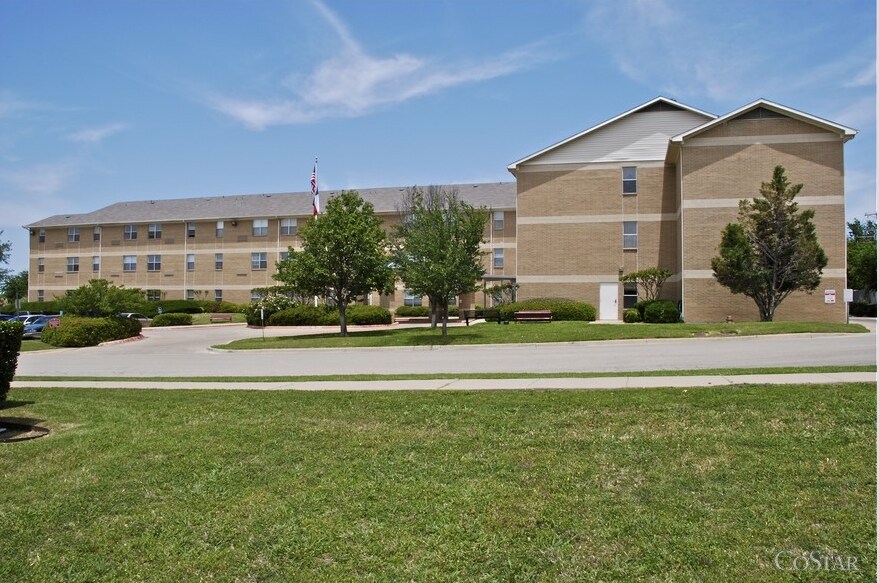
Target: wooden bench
{"type": "Point", "coordinates": [533, 316]}
{"type": "Point", "coordinates": [221, 317]}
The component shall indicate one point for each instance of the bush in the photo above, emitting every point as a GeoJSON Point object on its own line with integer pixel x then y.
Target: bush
{"type": "Point", "coordinates": [304, 315]}
{"type": "Point", "coordinates": [631, 316]}
{"type": "Point", "coordinates": [49, 307]}
{"type": "Point", "coordinates": [412, 311]}
{"type": "Point", "coordinates": [221, 307]}
{"type": "Point", "coordinates": [172, 319]}
{"type": "Point", "coordinates": [562, 309]}
{"type": "Point", "coordinates": [662, 312]}
{"type": "Point", "coordinates": [79, 331]}
{"type": "Point", "coordinates": [269, 304]}
{"type": "Point", "coordinates": [642, 306]}
{"type": "Point", "coordinates": [10, 344]}
{"type": "Point", "coordinates": [175, 307]}
{"type": "Point", "coordinates": [862, 310]}
{"type": "Point", "coordinates": [367, 315]}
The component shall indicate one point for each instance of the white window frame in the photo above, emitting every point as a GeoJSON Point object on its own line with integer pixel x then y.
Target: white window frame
{"type": "Point", "coordinates": [190, 262]}
{"type": "Point", "coordinates": [218, 295]}
{"type": "Point", "coordinates": [129, 232]}
{"type": "Point", "coordinates": [73, 265]}
{"type": "Point", "coordinates": [153, 295]}
{"type": "Point", "coordinates": [221, 229]}
{"type": "Point", "coordinates": [129, 263]}
{"type": "Point", "coordinates": [41, 265]}
{"type": "Point", "coordinates": [154, 262]}
{"type": "Point", "coordinates": [218, 262]}
{"type": "Point", "coordinates": [41, 295]}
{"type": "Point", "coordinates": [96, 233]}
{"type": "Point", "coordinates": [41, 236]}
{"type": "Point", "coordinates": [630, 292]}
{"type": "Point", "coordinates": [289, 226]}
{"type": "Point", "coordinates": [73, 234]}
{"type": "Point", "coordinates": [259, 261]}
{"type": "Point", "coordinates": [498, 221]}
{"type": "Point", "coordinates": [630, 183]}
{"type": "Point", "coordinates": [96, 263]}
{"type": "Point", "coordinates": [498, 258]}
{"type": "Point", "coordinates": [260, 228]}
{"type": "Point", "coordinates": [154, 231]}
{"type": "Point", "coordinates": [190, 294]}
{"type": "Point", "coordinates": [190, 230]}
{"type": "Point", "coordinates": [410, 299]}
{"type": "Point", "coordinates": [630, 234]}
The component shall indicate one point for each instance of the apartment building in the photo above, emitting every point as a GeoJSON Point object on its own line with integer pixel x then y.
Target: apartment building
{"type": "Point", "coordinates": [651, 187]}
{"type": "Point", "coordinates": [219, 248]}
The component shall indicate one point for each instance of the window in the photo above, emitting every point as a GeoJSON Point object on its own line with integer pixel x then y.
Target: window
{"type": "Point", "coordinates": [288, 226]}
{"type": "Point", "coordinates": [630, 294]}
{"type": "Point", "coordinates": [129, 232]}
{"type": "Point", "coordinates": [154, 231]}
{"type": "Point", "coordinates": [41, 295]}
{"type": "Point", "coordinates": [72, 234]}
{"type": "Point", "coordinates": [630, 180]}
{"type": "Point", "coordinates": [498, 258]}
{"type": "Point", "coordinates": [96, 263]}
{"type": "Point", "coordinates": [129, 263]}
{"type": "Point", "coordinates": [221, 227]}
{"type": "Point", "coordinates": [154, 263]}
{"type": "Point", "coordinates": [96, 234]}
{"type": "Point", "coordinates": [190, 262]}
{"type": "Point", "coordinates": [218, 295]}
{"type": "Point", "coordinates": [255, 296]}
{"type": "Point", "coordinates": [72, 264]}
{"type": "Point", "coordinates": [282, 255]}
{"type": "Point", "coordinates": [190, 294]}
{"type": "Point", "coordinates": [42, 236]}
{"type": "Point", "coordinates": [259, 260]}
{"type": "Point", "coordinates": [630, 235]}
{"type": "Point", "coordinates": [153, 295]}
{"type": "Point", "coordinates": [410, 299]}
{"type": "Point", "coordinates": [41, 265]}
{"type": "Point", "coordinates": [190, 230]}
{"type": "Point", "coordinates": [260, 227]}
{"type": "Point", "coordinates": [218, 261]}
{"type": "Point", "coordinates": [498, 222]}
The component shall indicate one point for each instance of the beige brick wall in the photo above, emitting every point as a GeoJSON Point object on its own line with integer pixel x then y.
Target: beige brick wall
{"type": "Point", "coordinates": [761, 127]}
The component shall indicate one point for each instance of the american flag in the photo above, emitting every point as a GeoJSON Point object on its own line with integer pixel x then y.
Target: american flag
{"type": "Point", "coordinates": [315, 194]}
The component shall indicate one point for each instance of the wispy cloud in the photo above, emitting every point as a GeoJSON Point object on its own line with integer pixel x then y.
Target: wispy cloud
{"type": "Point", "coordinates": [11, 104]}
{"type": "Point", "coordinates": [40, 179]}
{"type": "Point", "coordinates": [97, 134]}
{"type": "Point", "coordinates": [354, 82]}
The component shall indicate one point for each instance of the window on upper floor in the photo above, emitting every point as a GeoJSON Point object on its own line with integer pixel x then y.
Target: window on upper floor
{"type": "Point", "coordinates": [96, 234]}
{"type": "Point", "coordinates": [630, 234]}
{"type": "Point", "coordinates": [72, 234]}
{"type": "Point", "coordinates": [129, 232]}
{"type": "Point", "coordinates": [96, 263]}
{"type": "Point", "coordinates": [498, 221]}
{"type": "Point", "coordinates": [41, 265]}
{"type": "Point", "coordinates": [72, 264]}
{"type": "Point", "coordinates": [42, 236]}
{"type": "Point", "coordinates": [190, 262]}
{"type": "Point", "coordinates": [498, 260]}
{"type": "Point", "coordinates": [259, 260]}
{"type": "Point", "coordinates": [221, 228]}
{"type": "Point", "coordinates": [154, 231]}
{"type": "Point", "coordinates": [218, 261]}
{"type": "Point", "coordinates": [260, 227]}
{"type": "Point", "coordinates": [288, 226]}
{"type": "Point", "coordinates": [154, 263]}
{"type": "Point", "coordinates": [129, 263]}
{"type": "Point", "coordinates": [630, 180]}
{"type": "Point", "coordinates": [190, 230]}
{"type": "Point", "coordinates": [41, 295]}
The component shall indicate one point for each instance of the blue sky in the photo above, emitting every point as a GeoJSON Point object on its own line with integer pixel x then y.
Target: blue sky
{"type": "Point", "coordinates": [103, 101]}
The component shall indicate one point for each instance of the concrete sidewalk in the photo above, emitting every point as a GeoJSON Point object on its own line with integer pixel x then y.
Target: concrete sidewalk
{"type": "Point", "coordinates": [595, 383]}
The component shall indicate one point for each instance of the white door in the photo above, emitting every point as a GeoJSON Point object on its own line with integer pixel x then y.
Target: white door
{"type": "Point", "coordinates": [609, 298]}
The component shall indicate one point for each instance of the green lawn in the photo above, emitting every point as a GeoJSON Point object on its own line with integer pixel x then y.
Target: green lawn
{"type": "Point", "coordinates": [493, 333]}
{"type": "Point", "coordinates": [31, 345]}
{"type": "Point", "coordinates": [206, 319]}
{"type": "Point", "coordinates": [669, 484]}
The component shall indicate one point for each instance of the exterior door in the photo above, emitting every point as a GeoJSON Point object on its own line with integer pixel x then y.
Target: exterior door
{"type": "Point", "coordinates": [609, 301]}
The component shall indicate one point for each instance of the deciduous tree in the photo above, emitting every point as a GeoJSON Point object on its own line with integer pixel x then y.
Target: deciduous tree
{"type": "Point", "coordinates": [436, 248]}
{"type": "Point", "coordinates": [773, 250]}
{"type": "Point", "coordinates": [343, 257]}
{"type": "Point", "coordinates": [650, 281]}
{"type": "Point", "coordinates": [99, 298]}
{"type": "Point", "coordinates": [861, 250]}
{"type": "Point", "coordinates": [14, 287]}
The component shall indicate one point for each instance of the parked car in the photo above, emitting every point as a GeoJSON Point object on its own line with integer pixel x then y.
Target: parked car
{"type": "Point", "coordinates": [28, 318]}
{"type": "Point", "coordinates": [34, 329]}
{"type": "Point", "coordinates": [4, 317]}
{"type": "Point", "coordinates": [144, 321]}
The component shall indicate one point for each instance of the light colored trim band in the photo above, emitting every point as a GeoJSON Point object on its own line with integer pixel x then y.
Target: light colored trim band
{"type": "Point", "coordinates": [614, 278]}
{"type": "Point", "coordinates": [585, 219]}
{"type": "Point", "coordinates": [756, 140]}
{"type": "Point", "coordinates": [567, 167]}
{"type": "Point", "coordinates": [718, 203]}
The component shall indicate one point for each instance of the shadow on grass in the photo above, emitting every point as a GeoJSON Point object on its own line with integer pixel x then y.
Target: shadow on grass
{"type": "Point", "coordinates": [14, 404]}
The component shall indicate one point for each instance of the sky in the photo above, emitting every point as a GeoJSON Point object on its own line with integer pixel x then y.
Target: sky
{"type": "Point", "coordinates": [104, 101]}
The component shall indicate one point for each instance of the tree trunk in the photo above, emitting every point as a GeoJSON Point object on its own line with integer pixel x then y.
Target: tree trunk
{"type": "Point", "coordinates": [445, 311]}
{"type": "Point", "coordinates": [432, 310]}
{"type": "Point", "coordinates": [343, 319]}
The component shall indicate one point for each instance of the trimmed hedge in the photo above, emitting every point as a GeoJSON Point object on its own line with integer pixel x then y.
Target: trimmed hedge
{"type": "Point", "coordinates": [221, 307]}
{"type": "Point", "coordinates": [412, 311]}
{"type": "Point", "coordinates": [662, 312]}
{"type": "Point", "coordinates": [77, 331]}
{"type": "Point", "coordinates": [642, 306]}
{"type": "Point", "coordinates": [307, 315]}
{"type": "Point", "coordinates": [48, 307]}
{"type": "Point", "coordinates": [10, 344]}
{"type": "Point", "coordinates": [172, 319]}
{"type": "Point", "coordinates": [631, 316]}
{"type": "Point", "coordinates": [562, 309]}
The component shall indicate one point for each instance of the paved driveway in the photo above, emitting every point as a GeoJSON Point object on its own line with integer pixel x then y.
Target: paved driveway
{"type": "Point", "coordinates": [185, 352]}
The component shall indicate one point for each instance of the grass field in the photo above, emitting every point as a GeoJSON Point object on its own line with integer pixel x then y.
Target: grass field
{"type": "Point", "coordinates": [669, 484]}
{"type": "Point", "coordinates": [493, 333]}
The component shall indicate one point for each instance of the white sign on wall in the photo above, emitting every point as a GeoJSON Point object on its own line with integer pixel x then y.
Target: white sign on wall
{"type": "Point", "coordinates": [849, 295]}
{"type": "Point", "coordinates": [830, 296]}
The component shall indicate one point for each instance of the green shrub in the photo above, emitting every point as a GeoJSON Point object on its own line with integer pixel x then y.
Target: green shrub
{"type": "Point", "coordinates": [304, 315]}
{"type": "Point", "coordinates": [175, 307]}
{"type": "Point", "coordinates": [367, 315]}
{"type": "Point", "coordinates": [631, 316]}
{"type": "Point", "coordinates": [642, 306]}
{"type": "Point", "coordinates": [562, 309]}
{"type": "Point", "coordinates": [79, 331]}
{"type": "Point", "coordinates": [221, 307]}
{"type": "Point", "coordinates": [171, 319]}
{"type": "Point", "coordinates": [10, 344]}
{"type": "Point", "coordinates": [662, 312]}
{"type": "Point", "coordinates": [269, 304]}
{"type": "Point", "coordinates": [412, 311]}
{"type": "Point", "coordinates": [49, 307]}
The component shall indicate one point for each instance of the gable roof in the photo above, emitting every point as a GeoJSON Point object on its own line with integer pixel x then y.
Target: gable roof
{"type": "Point", "coordinates": [652, 104]}
{"type": "Point", "coordinates": [844, 132]}
{"type": "Point", "coordinates": [494, 195]}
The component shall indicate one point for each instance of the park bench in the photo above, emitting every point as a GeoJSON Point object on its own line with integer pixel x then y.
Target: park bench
{"type": "Point", "coordinates": [221, 317]}
{"type": "Point", "coordinates": [533, 316]}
